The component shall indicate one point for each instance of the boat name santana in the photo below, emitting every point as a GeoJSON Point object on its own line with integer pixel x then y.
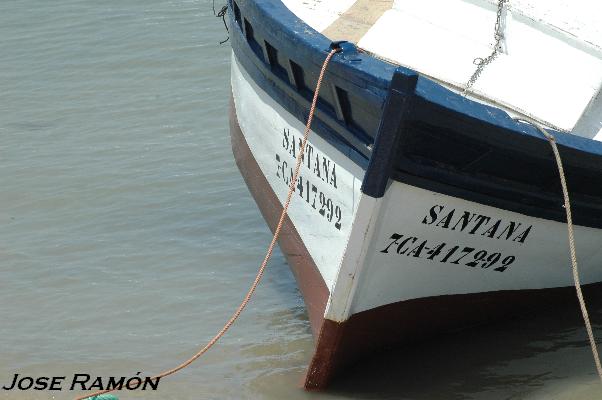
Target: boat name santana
{"type": "Point", "coordinates": [477, 224]}
{"type": "Point", "coordinates": [322, 168]}
{"type": "Point", "coordinates": [463, 221]}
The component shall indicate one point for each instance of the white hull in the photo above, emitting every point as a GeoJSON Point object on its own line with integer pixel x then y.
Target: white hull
{"type": "Point", "coordinates": [412, 243]}
{"type": "Point", "coordinates": [322, 213]}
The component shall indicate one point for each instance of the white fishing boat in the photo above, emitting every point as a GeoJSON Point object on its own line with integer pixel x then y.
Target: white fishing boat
{"type": "Point", "coordinates": [423, 205]}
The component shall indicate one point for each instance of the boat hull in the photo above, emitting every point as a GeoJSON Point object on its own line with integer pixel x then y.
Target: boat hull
{"type": "Point", "coordinates": [417, 211]}
{"type": "Point", "coordinates": [379, 287]}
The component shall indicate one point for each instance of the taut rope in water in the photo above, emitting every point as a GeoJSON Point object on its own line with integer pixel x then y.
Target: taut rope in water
{"type": "Point", "coordinates": [569, 224]}
{"type": "Point", "coordinates": [268, 255]}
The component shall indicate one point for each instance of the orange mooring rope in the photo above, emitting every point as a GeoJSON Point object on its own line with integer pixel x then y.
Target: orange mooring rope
{"type": "Point", "coordinates": [268, 255]}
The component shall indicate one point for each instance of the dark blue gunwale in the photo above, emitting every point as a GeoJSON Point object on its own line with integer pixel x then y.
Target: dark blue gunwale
{"type": "Point", "coordinates": [370, 79]}
{"type": "Point", "coordinates": [374, 75]}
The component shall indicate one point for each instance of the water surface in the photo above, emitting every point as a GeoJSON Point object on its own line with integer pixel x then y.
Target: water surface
{"type": "Point", "coordinates": [127, 236]}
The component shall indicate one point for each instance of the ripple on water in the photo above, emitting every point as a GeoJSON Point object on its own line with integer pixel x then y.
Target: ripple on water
{"type": "Point", "coordinates": [127, 235]}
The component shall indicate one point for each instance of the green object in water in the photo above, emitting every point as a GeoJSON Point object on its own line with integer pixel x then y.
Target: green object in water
{"type": "Point", "coordinates": [104, 397]}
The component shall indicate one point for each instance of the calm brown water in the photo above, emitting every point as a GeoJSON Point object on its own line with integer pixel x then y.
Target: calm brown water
{"type": "Point", "coordinates": [127, 236]}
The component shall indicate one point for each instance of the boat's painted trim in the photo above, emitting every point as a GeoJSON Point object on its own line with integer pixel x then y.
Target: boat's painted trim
{"type": "Point", "coordinates": [294, 94]}
{"type": "Point", "coordinates": [397, 110]}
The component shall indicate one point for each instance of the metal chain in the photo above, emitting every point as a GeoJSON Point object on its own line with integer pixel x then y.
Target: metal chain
{"type": "Point", "coordinates": [498, 35]}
